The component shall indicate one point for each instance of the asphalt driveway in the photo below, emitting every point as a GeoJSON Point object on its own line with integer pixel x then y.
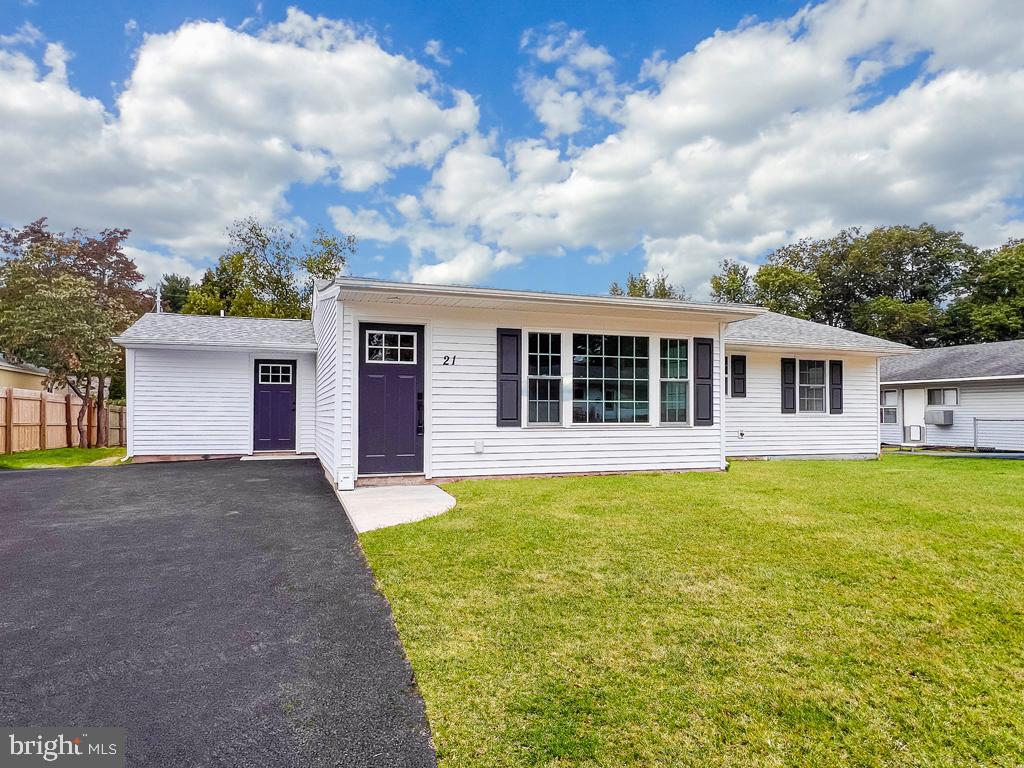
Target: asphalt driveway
{"type": "Point", "coordinates": [220, 611]}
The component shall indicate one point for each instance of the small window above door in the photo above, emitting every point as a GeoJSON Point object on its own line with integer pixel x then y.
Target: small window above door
{"type": "Point", "coordinates": [391, 347]}
{"type": "Point", "coordinates": [275, 373]}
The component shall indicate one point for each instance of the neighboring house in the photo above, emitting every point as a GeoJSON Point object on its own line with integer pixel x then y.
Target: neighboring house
{"type": "Point", "coordinates": [21, 375]}
{"type": "Point", "coordinates": [444, 381]}
{"type": "Point", "coordinates": [969, 396]}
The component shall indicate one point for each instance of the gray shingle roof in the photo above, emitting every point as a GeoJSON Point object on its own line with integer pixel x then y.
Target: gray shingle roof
{"type": "Point", "coordinates": [971, 361]}
{"type": "Point", "coordinates": [775, 330]}
{"type": "Point", "coordinates": [210, 330]}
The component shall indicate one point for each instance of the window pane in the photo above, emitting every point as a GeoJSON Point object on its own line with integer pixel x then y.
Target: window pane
{"type": "Point", "coordinates": [390, 354]}
{"type": "Point", "coordinates": [889, 397]}
{"type": "Point", "coordinates": [949, 397]}
{"type": "Point", "coordinates": [375, 354]}
{"type": "Point", "coordinates": [812, 399]}
{"type": "Point", "coordinates": [407, 355]}
{"type": "Point", "coordinates": [888, 415]}
{"type": "Point", "coordinates": [812, 372]}
{"type": "Point", "coordinates": [934, 397]}
{"type": "Point", "coordinates": [674, 402]}
{"type": "Point", "coordinates": [407, 339]}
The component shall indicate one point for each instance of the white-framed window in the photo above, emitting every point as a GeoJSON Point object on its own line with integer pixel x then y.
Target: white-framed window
{"type": "Point", "coordinates": [544, 378]}
{"type": "Point", "coordinates": [675, 381]}
{"type": "Point", "coordinates": [391, 347]}
{"type": "Point", "coordinates": [610, 379]}
{"type": "Point", "coordinates": [275, 373]}
{"type": "Point", "coordinates": [812, 386]}
{"type": "Point", "coordinates": [890, 400]}
{"type": "Point", "coordinates": [944, 396]}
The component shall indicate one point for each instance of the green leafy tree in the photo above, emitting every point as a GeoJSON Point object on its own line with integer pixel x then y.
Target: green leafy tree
{"type": "Point", "coordinates": [63, 322]}
{"type": "Point", "coordinates": [788, 291]}
{"type": "Point", "coordinates": [62, 296]}
{"type": "Point", "coordinates": [732, 284]}
{"type": "Point", "coordinates": [991, 305]}
{"type": "Point", "coordinates": [263, 275]}
{"type": "Point", "coordinates": [645, 286]}
{"type": "Point", "coordinates": [906, 322]}
{"type": "Point", "coordinates": [174, 291]}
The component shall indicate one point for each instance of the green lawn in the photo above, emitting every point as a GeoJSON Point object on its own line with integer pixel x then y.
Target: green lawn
{"type": "Point", "coordinates": [59, 457]}
{"type": "Point", "coordinates": [783, 613]}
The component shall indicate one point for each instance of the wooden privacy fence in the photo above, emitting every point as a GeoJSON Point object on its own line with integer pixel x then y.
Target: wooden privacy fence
{"type": "Point", "coordinates": [31, 420]}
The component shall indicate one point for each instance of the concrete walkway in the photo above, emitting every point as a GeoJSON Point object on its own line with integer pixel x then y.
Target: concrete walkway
{"type": "Point", "coordinates": [379, 507]}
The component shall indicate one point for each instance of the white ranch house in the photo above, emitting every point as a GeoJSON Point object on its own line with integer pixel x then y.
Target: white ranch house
{"type": "Point", "coordinates": [970, 396]}
{"type": "Point", "coordinates": [445, 382]}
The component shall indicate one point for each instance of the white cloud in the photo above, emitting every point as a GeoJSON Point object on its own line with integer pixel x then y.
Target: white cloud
{"type": "Point", "coordinates": [131, 27]}
{"type": "Point", "coordinates": [435, 50]}
{"type": "Point", "coordinates": [26, 34]}
{"type": "Point", "coordinates": [215, 124]}
{"type": "Point", "coordinates": [760, 135]}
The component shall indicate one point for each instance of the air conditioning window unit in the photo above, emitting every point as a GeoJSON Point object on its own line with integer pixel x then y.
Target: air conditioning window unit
{"type": "Point", "coordinates": [939, 418]}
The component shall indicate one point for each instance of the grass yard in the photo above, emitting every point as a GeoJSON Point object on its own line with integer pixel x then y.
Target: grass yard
{"type": "Point", "coordinates": [780, 614]}
{"type": "Point", "coordinates": [60, 457]}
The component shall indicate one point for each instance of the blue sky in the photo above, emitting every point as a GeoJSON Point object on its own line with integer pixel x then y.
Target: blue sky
{"type": "Point", "coordinates": [534, 145]}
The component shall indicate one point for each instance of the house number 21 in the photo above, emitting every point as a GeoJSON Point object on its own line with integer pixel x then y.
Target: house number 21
{"type": "Point", "coordinates": [448, 360]}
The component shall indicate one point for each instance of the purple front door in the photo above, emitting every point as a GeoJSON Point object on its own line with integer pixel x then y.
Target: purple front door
{"type": "Point", "coordinates": [390, 399]}
{"type": "Point", "coordinates": [274, 406]}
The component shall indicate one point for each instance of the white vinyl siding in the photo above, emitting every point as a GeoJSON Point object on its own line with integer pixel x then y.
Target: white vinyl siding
{"type": "Point", "coordinates": [463, 408]}
{"type": "Point", "coordinates": [325, 328]}
{"type": "Point", "coordinates": [766, 431]}
{"type": "Point", "coordinates": [983, 399]}
{"type": "Point", "coordinates": [305, 394]}
{"type": "Point", "coordinates": [186, 402]}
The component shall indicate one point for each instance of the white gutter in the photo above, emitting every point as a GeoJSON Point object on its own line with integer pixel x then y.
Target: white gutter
{"type": "Point", "coordinates": [1008, 377]}
{"type": "Point", "coordinates": [136, 343]}
{"type": "Point", "coordinates": [805, 345]}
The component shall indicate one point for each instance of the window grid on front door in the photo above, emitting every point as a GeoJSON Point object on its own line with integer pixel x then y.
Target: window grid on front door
{"type": "Point", "coordinates": [391, 347]}
{"type": "Point", "coordinates": [275, 373]}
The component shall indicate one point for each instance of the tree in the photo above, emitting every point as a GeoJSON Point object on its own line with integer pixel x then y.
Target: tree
{"type": "Point", "coordinates": [262, 276]}
{"type": "Point", "coordinates": [732, 284]}
{"type": "Point", "coordinates": [787, 290]}
{"type": "Point", "coordinates": [991, 304]}
{"type": "Point", "coordinates": [174, 291]}
{"type": "Point", "coordinates": [62, 298]}
{"type": "Point", "coordinates": [63, 322]}
{"type": "Point", "coordinates": [908, 322]}
{"type": "Point", "coordinates": [644, 286]}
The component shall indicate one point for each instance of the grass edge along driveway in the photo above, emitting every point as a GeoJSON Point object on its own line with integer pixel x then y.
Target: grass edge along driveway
{"type": "Point", "coordinates": [55, 458]}
{"type": "Point", "coordinates": [783, 613]}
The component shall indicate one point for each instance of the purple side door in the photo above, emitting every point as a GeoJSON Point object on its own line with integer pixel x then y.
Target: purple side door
{"type": "Point", "coordinates": [274, 405]}
{"type": "Point", "coordinates": [390, 398]}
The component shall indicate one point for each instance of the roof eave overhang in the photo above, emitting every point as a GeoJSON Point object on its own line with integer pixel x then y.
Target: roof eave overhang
{"type": "Point", "coordinates": [946, 380]}
{"type": "Point", "coordinates": [394, 293]}
{"type": "Point", "coordinates": [865, 350]}
{"type": "Point", "coordinates": [130, 343]}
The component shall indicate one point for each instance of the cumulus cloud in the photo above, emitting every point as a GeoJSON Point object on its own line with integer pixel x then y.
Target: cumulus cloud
{"type": "Point", "coordinates": [759, 135]}
{"type": "Point", "coordinates": [26, 34]}
{"type": "Point", "coordinates": [435, 50]}
{"type": "Point", "coordinates": [215, 124]}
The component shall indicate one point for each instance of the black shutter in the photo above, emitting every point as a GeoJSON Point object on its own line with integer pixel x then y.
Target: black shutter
{"type": "Point", "coordinates": [835, 386]}
{"type": "Point", "coordinates": [738, 374]}
{"type": "Point", "coordinates": [789, 385]}
{"type": "Point", "coordinates": [704, 382]}
{"type": "Point", "coordinates": [509, 376]}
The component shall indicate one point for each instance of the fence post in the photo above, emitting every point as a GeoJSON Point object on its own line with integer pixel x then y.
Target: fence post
{"type": "Point", "coordinates": [90, 419]}
{"type": "Point", "coordinates": [975, 433]}
{"type": "Point", "coordinates": [42, 420]}
{"type": "Point", "coordinates": [67, 420]}
{"type": "Point", "coordinates": [9, 424]}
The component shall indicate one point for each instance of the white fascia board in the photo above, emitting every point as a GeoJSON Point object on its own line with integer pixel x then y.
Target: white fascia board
{"type": "Point", "coordinates": [796, 346]}
{"type": "Point", "coordinates": [1009, 377]}
{"type": "Point", "coordinates": [213, 346]}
